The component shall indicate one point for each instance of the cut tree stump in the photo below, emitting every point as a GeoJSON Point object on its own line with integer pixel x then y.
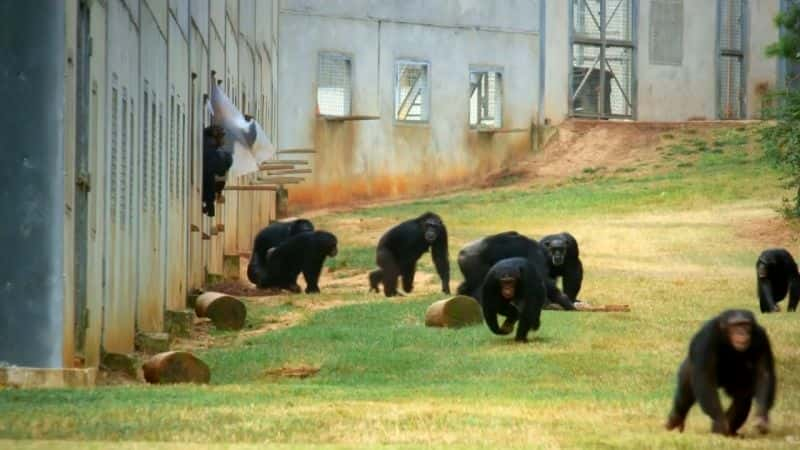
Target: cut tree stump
{"type": "Point", "coordinates": [454, 312]}
{"type": "Point", "coordinates": [226, 312]}
{"type": "Point", "coordinates": [176, 367]}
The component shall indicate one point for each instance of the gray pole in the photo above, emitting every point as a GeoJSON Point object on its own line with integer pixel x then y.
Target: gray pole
{"type": "Point", "coordinates": [32, 182]}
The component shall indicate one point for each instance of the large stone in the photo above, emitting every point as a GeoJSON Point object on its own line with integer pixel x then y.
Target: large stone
{"type": "Point", "coordinates": [454, 312]}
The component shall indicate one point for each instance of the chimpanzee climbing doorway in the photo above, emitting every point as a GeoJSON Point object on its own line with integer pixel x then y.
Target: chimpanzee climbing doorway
{"type": "Point", "coordinates": [602, 55]}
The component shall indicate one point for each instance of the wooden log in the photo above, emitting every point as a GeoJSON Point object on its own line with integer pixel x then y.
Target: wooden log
{"type": "Point", "coordinates": [284, 161]}
{"type": "Point", "coordinates": [296, 151]}
{"type": "Point", "coordinates": [602, 308]}
{"type": "Point", "coordinates": [288, 172]}
{"type": "Point", "coordinates": [176, 367]}
{"type": "Point", "coordinates": [225, 312]}
{"type": "Point", "coordinates": [279, 180]}
{"type": "Point", "coordinates": [264, 166]}
{"type": "Point", "coordinates": [454, 312]}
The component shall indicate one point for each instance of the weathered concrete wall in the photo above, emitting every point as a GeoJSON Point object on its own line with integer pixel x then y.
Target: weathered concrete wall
{"type": "Point", "coordinates": [680, 92]}
{"type": "Point", "coordinates": [378, 158]}
{"type": "Point", "coordinates": [672, 92]}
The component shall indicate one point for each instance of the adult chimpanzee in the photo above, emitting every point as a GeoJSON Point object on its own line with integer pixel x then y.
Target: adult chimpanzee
{"type": "Point", "coordinates": [730, 351]}
{"type": "Point", "coordinates": [479, 256]}
{"type": "Point", "coordinates": [400, 248]}
{"type": "Point", "coordinates": [304, 253]}
{"type": "Point", "coordinates": [216, 163]}
{"type": "Point", "coordinates": [777, 274]}
{"type": "Point", "coordinates": [271, 236]}
{"type": "Point", "coordinates": [515, 289]}
{"type": "Point", "coordinates": [563, 261]}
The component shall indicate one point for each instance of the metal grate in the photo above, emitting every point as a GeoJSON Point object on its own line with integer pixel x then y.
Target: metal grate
{"type": "Point", "coordinates": [666, 32]}
{"type": "Point", "coordinates": [618, 66]}
{"type": "Point", "coordinates": [730, 86]}
{"type": "Point", "coordinates": [114, 151]}
{"type": "Point", "coordinates": [160, 154]}
{"type": "Point", "coordinates": [334, 86]}
{"type": "Point", "coordinates": [145, 152]}
{"type": "Point", "coordinates": [586, 18]}
{"type": "Point", "coordinates": [411, 92]}
{"type": "Point", "coordinates": [485, 100]}
{"type": "Point", "coordinates": [123, 164]}
{"type": "Point", "coordinates": [731, 76]}
{"type": "Point", "coordinates": [586, 79]}
{"type": "Point", "coordinates": [731, 24]}
{"type": "Point", "coordinates": [618, 17]}
{"type": "Point", "coordinates": [172, 149]}
{"type": "Point", "coordinates": [154, 156]}
{"type": "Point", "coordinates": [602, 58]}
{"type": "Point", "coordinates": [131, 156]}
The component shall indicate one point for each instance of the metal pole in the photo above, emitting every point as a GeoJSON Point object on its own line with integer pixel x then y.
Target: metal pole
{"type": "Point", "coordinates": [32, 186]}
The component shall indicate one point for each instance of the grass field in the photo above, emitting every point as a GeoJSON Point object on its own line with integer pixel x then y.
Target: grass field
{"type": "Point", "coordinates": [675, 237]}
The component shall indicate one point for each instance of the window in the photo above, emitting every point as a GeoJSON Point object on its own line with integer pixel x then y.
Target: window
{"type": "Point", "coordinates": [485, 98]}
{"type": "Point", "coordinates": [334, 84]}
{"type": "Point", "coordinates": [411, 93]}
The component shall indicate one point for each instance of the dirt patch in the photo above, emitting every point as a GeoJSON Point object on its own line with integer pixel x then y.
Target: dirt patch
{"type": "Point", "coordinates": [504, 177]}
{"type": "Point", "coordinates": [301, 371]}
{"type": "Point", "coordinates": [770, 232]}
{"type": "Point", "coordinates": [238, 288]}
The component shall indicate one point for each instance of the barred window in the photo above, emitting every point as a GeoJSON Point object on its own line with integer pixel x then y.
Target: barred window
{"type": "Point", "coordinates": [145, 152]}
{"type": "Point", "coordinates": [411, 99]}
{"type": "Point", "coordinates": [114, 151]}
{"type": "Point", "coordinates": [485, 99]}
{"type": "Point", "coordinates": [123, 165]}
{"type": "Point", "coordinates": [334, 84]}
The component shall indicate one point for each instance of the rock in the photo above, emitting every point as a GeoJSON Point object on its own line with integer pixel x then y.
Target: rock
{"type": "Point", "coordinates": [179, 323]}
{"type": "Point", "coordinates": [152, 342]}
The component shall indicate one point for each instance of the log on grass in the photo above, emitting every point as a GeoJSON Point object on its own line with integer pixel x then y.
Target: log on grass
{"type": "Point", "coordinates": [225, 312]}
{"type": "Point", "coordinates": [454, 312]}
{"type": "Point", "coordinates": [176, 367]}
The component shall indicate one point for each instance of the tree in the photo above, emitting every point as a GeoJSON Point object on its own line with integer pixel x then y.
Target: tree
{"type": "Point", "coordinates": [782, 139]}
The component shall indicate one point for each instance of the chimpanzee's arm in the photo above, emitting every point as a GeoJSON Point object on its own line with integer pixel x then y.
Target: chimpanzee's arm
{"type": "Point", "coordinates": [794, 292]}
{"type": "Point", "coordinates": [704, 378]}
{"type": "Point", "coordinates": [441, 259]}
{"type": "Point", "coordinates": [555, 295]}
{"type": "Point", "coordinates": [490, 295]}
{"type": "Point", "coordinates": [765, 374]}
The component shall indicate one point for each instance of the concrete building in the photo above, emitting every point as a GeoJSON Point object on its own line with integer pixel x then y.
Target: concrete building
{"type": "Point", "coordinates": [486, 76]}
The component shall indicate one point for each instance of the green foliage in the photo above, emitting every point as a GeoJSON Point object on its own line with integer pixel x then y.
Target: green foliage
{"type": "Point", "coordinates": [782, 140]}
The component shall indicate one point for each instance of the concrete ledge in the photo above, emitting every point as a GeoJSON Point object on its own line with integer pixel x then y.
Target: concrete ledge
{"type": "Point", "coordinates": [31, 377]}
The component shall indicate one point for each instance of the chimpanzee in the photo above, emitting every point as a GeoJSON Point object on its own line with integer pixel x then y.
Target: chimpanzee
{"type": "Point", "coordinates": [400, 248]}
{"type": "Point", "coordinates": [271, 236]}
{"type": "Point", "coordinates": [515, 289]}
{"type": "Point", "coordinates": [777, 274]}
{"type": "Point", "coordinates": [733, 352]}
{"type": "Point", "coordinates": [563, 261]}
{"type": "Point", "coordinates": [304, 253]}
{"type": "Point", "coordinates": [216, 163]}
{"type": "Point", "coordinates": [479, 256]}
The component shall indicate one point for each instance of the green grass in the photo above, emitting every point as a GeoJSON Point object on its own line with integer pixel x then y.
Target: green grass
{"type": "Point", "coordinates": [671, 243]}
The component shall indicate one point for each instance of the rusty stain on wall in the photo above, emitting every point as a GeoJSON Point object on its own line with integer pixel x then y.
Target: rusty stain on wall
{"type": "Point", "coordinates": [415, 163]}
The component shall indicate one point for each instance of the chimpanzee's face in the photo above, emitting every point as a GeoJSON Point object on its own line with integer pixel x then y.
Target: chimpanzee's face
{"type": "Point", "coordinates": [508, 287]}
{"type": "Point", "coordinates": [558, 250]}
{"type": "Point", "coordinates": [432, 227]}
{"type": "Point", "coordinates": [738, 328]}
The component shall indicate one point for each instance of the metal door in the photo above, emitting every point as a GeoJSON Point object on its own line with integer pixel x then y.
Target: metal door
{"type": "Point", "coordinates": [730, 80]}
{"type": "Point", "coordinates": [602, 58]}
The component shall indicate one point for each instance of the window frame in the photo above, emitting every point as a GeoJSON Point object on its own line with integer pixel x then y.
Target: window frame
{"type": "Point", "coordinates": [342, 56]}
{"type": "Point", "coordinates": [395, 94]}
{"type": "Point", "coordinates": [500, 91]}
